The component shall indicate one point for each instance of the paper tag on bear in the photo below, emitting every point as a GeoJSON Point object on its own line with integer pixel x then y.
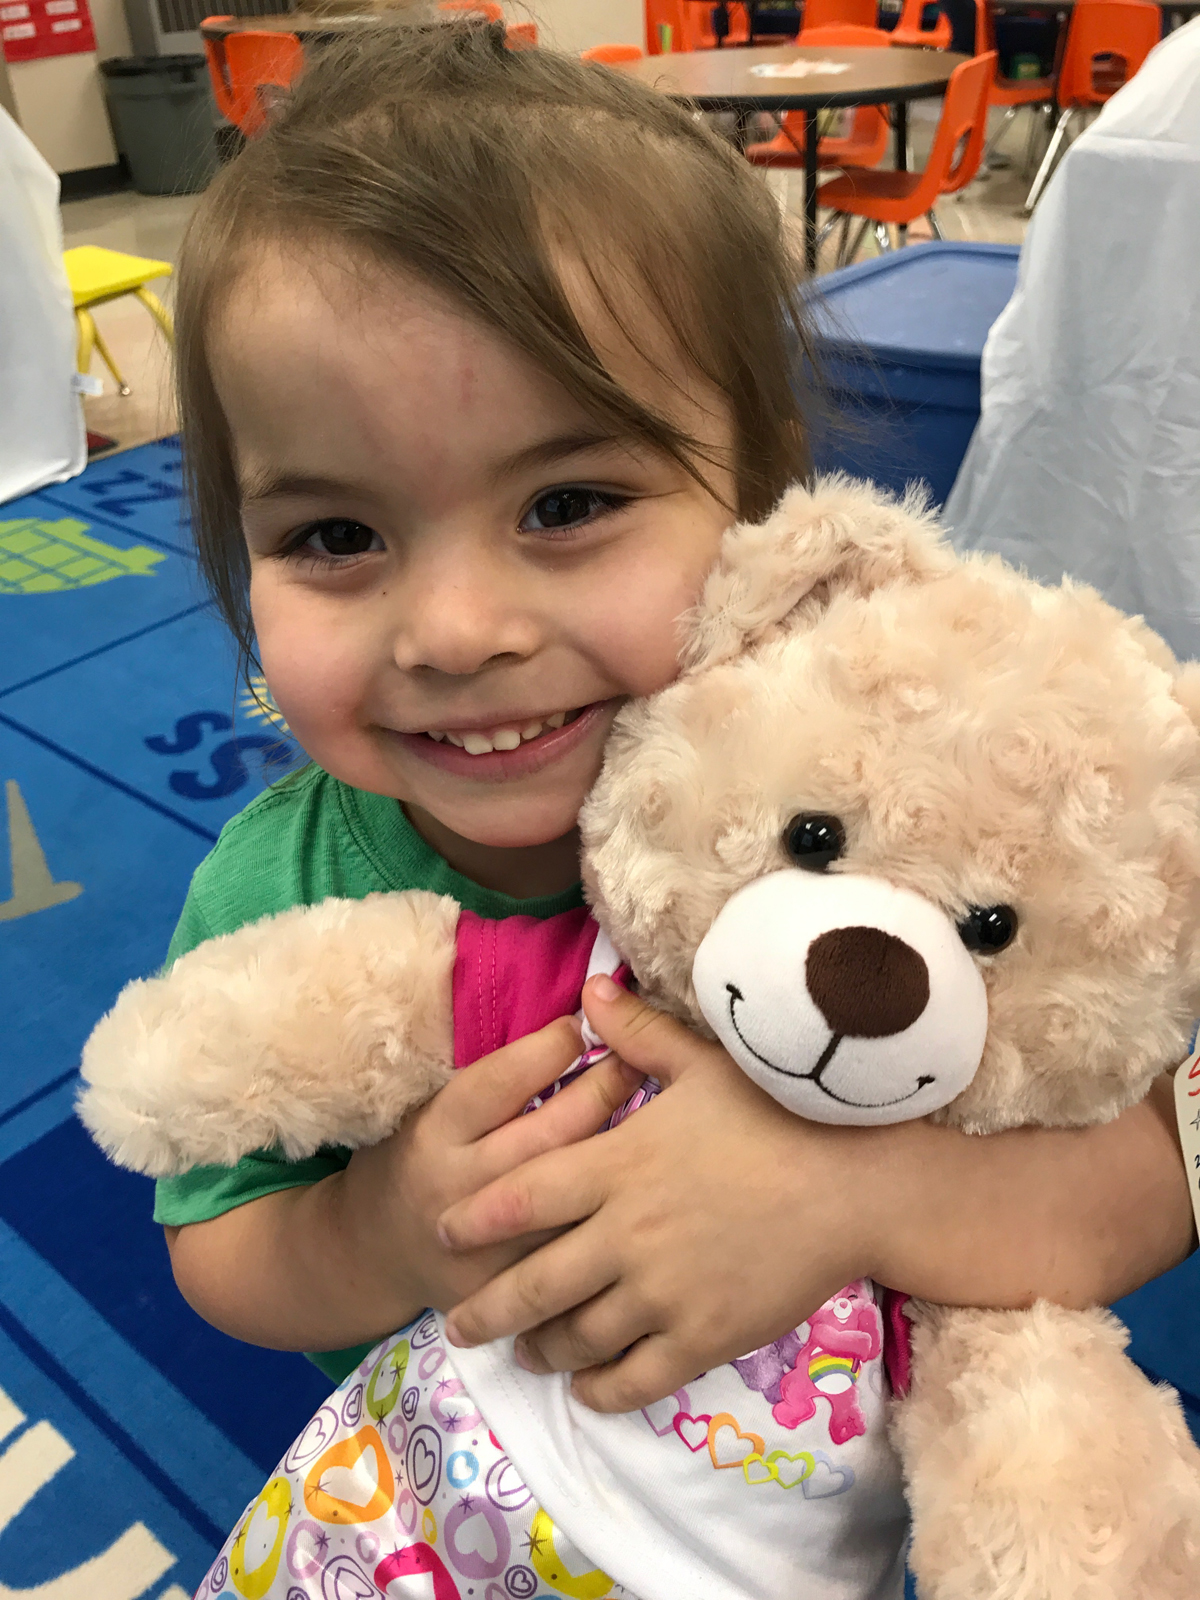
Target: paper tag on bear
{"type": "Point", "coordinates": [1187, 1112]}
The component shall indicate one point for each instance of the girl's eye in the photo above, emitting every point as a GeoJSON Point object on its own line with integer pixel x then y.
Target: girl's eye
{"type": "Point", "coordinates": [336, 537]}
{"type": "Point", "coordinates": [567, 508]}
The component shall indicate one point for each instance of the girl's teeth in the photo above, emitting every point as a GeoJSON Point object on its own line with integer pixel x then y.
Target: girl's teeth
{"type": "Point", "coordinates": [481, 744]}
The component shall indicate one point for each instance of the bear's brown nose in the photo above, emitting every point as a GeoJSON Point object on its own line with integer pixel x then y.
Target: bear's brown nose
{"type": "Point", "coordinates": [866, 983]}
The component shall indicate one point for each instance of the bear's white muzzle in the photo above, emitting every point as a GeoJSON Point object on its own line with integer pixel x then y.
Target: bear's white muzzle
{"type": "Point", "coordinates": [848, 999]}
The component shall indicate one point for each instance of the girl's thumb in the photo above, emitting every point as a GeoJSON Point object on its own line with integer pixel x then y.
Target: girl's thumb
{"type": "Point", "coordinates": [644, 1038]}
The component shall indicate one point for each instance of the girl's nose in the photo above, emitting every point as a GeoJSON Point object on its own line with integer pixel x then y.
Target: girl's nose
{"type": "Point", "coordinates": [458, 618]}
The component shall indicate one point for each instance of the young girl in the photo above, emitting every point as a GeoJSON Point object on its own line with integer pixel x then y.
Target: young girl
{"type": "Point", "coordinates": [480, 351]}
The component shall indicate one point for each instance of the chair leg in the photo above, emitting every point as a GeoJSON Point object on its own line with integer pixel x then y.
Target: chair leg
{"type": "Point", "coordinates": [935, 226]}
{"type": "Point", "coordinates": [158, 311]}
{"type": "Point", "coordinates": [87, 339]}
{"type": "Point", "coordinates": [106, 356]}
{"type": "Point", "coordinates": [844, 240]}
{"type": "Point", "coordinates": [856, 243]}
{"type": "Point", "coordinates": [827, 227]}
{"type": "Point", "coordinates": [1049, 161]}
{"type": "Point", "coordinates": [902, 233]}
{"type": "Point", "coordinates": [989, 149]}
{"type": "Point", "coordinates": [883, 238]}
{"type": "Point", "coordinates": [1038, 118]}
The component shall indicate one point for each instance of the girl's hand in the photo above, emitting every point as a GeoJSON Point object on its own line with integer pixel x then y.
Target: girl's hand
{"type": "Point", "coordinates": [471, 1133]}
{"type": "Point", "coordinates": [703, 1227]}
{"type": "Point", "coordinates": [713, 1220]}
{"type": "Point", "coordinates": [350, 1259]}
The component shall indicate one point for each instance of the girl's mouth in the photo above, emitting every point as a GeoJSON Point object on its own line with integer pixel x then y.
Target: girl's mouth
{"type": "Point", "coordinates": [508, 749]}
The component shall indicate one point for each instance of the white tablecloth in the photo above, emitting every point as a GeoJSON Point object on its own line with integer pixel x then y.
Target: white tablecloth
{"type": "Point", "coordinates": [42, 435]}
{"type": "Point", "coordinates": [1086, 459]}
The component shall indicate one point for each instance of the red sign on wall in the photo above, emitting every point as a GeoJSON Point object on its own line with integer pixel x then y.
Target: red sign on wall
{"type": "Point", "coordinates": [33, 29]}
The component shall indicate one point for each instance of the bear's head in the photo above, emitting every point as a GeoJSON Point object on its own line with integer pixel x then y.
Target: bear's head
{"type": "Point", "coordinates": [912, 833]}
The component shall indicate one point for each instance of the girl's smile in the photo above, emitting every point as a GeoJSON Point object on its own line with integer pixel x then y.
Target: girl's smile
{"type": "Point", "coordinates": [511, 747]}
{"type": "Point", "coordinates": [457, 575]}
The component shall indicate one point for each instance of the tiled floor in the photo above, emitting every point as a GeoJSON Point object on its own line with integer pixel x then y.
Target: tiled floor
{"type": "Point", "coordinates": [988, 210]}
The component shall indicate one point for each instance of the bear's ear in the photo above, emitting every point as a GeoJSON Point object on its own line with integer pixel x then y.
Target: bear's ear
{"type": "Point", "coordinates": [839, 535]}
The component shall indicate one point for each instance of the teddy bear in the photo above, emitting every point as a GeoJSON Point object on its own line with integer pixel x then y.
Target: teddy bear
{"type": "Point", "coordinates": [911, 836]}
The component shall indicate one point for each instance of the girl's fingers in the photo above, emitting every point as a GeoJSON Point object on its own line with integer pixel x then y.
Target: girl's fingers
{"type": "Point", "coordinates": [588, 1336]}
{"type": "Point", "coordinates": [498, 1087]}
{"type": "Point", "coordinates": [647, 1039]}
{"type": "Point", "coordinates": [562, 1274]}
{"type": "Point", "coordinates": [656, 1367]}
{"type": "Point", "coordinates": [553, 1190]}
{"type": "Point", "coordinates": [575, 1113]}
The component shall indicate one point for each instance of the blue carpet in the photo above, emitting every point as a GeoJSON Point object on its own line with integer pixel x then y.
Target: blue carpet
{"type": "Point", "coordinates": [135, 1432]}
{"type": "Point", "coordinates": [138, 1432]}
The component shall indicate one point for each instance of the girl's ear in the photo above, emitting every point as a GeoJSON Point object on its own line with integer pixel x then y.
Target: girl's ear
{"type": "Point", "coordinates": [839, 535]}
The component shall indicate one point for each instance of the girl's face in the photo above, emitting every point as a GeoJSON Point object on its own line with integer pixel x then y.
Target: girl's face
{"type": "Point", "coordinates": [456, 578]}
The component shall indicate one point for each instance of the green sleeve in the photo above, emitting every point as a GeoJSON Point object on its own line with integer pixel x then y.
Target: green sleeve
{"type": "Point", "coordinates": [207, 1192]}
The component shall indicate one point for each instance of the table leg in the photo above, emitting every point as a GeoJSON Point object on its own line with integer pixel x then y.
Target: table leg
{"type": "Point", "coordinates": [811, 141]}
{"type": "Point", "coordinates": [900, 126]}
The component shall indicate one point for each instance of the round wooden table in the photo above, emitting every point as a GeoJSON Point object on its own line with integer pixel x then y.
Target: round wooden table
{"type": "Point", "coordinates": [725, 80]}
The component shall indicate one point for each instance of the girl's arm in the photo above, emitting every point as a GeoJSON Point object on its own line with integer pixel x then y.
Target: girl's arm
{"type": "Point", "coordinates": [349, 1259]}
{"type": "Point", "coordinates": [714, 1220]}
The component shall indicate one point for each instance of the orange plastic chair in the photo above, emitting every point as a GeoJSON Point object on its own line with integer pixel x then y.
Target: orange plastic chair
{"type": "Point", "coordinates": [521, 36]}
{"type": "Point", "coordinates": [902, 197]}
{"type": "Point", "coordinates": [218, 72]}
{"type": "Point", "coordinates": [1107, 41]}
{"type": "Point", "coordinates": [612, 55]}
{"type": "Point", "coordinates": [829, 13]}
{"type": "Point", "coordinates": [908, 31]}
{"type": "Point", "coordinates": [865, 145]}
{"type": "Point", "coordinates": [250, 70]}
{"type": "Point", "coordinates": [1011, 93]}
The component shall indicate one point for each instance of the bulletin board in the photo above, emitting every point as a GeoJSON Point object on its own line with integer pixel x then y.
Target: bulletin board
{"type": "Point", "coordinates": [33, 29]}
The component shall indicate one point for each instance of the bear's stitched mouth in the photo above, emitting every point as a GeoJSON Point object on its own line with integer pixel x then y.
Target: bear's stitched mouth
{"type": "Point", "coordinates": [735, 994]}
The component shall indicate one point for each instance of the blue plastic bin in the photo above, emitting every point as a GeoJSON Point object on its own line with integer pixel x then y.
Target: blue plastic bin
{"type": "Point", "coordinates": [899, 341]}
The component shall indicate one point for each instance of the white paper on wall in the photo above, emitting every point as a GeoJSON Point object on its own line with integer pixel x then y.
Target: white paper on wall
{"type": "Point", "coordinates": [42, 434]}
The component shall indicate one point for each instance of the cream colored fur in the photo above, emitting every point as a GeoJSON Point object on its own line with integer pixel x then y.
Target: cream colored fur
{"type": "Point", "coordinates": [1042, 1465]}
{"type": "Point", "coordinates": [984, 740]}
{"type": "Point", "coordinates": [321, 1025]}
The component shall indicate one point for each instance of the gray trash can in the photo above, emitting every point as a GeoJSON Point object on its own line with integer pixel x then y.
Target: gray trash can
{"type": "Point", "coordinates": [162, 114]}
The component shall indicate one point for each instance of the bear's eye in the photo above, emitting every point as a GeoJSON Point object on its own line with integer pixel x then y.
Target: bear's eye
{"type": "Point", "coordinates": [988, 928]}
{"type": "Point", "coordinates": [813, 840]}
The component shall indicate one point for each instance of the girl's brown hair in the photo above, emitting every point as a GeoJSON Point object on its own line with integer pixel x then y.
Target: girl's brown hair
{"type": "Point", "coordinates": [483, 171]}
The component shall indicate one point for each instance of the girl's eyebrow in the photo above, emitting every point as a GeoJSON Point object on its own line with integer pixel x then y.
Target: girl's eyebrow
{"type": "Point", "coordinates": [268, 485]}
{"type": "Point", "coordinates": [545, 452]}
{"type": "Point", "coordinates": [265, 484]}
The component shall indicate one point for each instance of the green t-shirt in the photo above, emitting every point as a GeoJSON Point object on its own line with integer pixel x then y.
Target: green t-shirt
{"type": "Point", "coordinates": [300, 842]}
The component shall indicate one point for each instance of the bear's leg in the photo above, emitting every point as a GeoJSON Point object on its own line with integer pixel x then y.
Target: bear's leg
{"type": "Point", "coordinates": [797, 1399]}
{"type": "Point", "coordinates": [1041, 1464]}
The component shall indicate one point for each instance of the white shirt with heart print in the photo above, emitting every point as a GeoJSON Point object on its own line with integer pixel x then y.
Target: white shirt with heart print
{"type": "Point", "coordinates": [770, 1478]}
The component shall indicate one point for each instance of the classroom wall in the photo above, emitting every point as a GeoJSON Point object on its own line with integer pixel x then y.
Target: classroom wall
{"type": "Point", "coordinates": [578, 24]}
{"type": "Point", "coordinates": [60, 101]}
{"type": "Point", "coordinates": [60, 105]}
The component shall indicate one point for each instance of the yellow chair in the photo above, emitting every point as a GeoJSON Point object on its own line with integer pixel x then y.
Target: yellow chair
{"type": "Point", "coordinates": [97, 276]}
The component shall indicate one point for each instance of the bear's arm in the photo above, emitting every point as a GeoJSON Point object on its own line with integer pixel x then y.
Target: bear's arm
{"type": "Point", "coordinates": [321, 1025]}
